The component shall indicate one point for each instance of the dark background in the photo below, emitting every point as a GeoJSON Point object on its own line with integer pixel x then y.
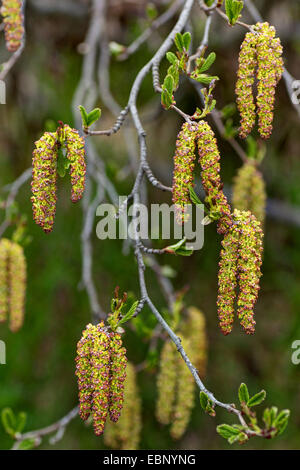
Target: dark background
{"type": "Point", "coordinates": [39, 375]}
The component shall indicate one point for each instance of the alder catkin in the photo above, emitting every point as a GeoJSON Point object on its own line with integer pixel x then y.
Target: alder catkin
{"type": "Point", "coordinates": [184, 162]}
{"type": "Point", "coordinates": [44, 177]}
{"type": "Point", "coordinates": [13, 20]}
{"type": "Point", "coordinates": [117, 376]}
{"type": "Point", "coordinates": [211, 179]}
{"type": "Point", "coordinates": [249, 192]}
{"type": "Point", "coordinates": [227, 280]}
{"type": "Point", "coordinates": [244, 85]}
{"type": "Point", "coordinates": [4, 289]}
{"type": "Point", "coordinates": [166, 383]}
{"type": "Point", "coordinates": [249, 264]}
{"type": "Point", "coordinates": [125, 434]}
{"type": "Point", "coordinates": [17, 286]}
{"type": "Point", "coordinates": [185, 393]}
{"type": "Point", "coordinates": [196, 332]}
{"type": "Point", "coordinates": [269, 72]}
{"type": "Point", "coordinates": [76, 156]}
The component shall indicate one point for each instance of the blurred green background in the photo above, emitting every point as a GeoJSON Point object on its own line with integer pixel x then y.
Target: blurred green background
{"type": "Point", "coordinates": [39, 375]}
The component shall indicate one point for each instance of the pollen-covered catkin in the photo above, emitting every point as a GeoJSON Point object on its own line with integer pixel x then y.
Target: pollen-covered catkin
{"type": "Point", "coordinates": [13, 20]}
{"type": "Point", "coordinates": [100, 378]}
{"type": "Point", "coordinates": [43, 185]}
{"type": "Point", "coordinates": [166, 383]}
{"type": "Point", "coordinates": [185, 393]}
{"type": "Point", "coordinates": [249, 192]}
{"type": "Point", "coordinates": [117, 376]}
{"type": "Point", "coordinates": [249, 264]}
{"type": "Point", "coordinates": [125, 434]}
{"type": "Point", "coordinates": [210, 175]}
{"type": "Point", "coordinates": [17, 286]}
{"type": "Point", "coordinates": [269, 72]}
{"type": "Point", "coordinates": [184, 162]}
{"type": "Point", "coordinates": [84, 371]}
{"type": "Point", "coordinates": [227, 280]}
{"type": "Point", "coordinates": [76, 156]}
{"type": "Point", "coordinates": [4, 290]}
{"type": "Point", "coordinates": [244, 85]}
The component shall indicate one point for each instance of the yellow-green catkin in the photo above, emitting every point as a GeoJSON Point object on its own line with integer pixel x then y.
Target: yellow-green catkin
{"type": "Point", "coordinates": [125, 434]}
{"type": "Point", "coordinates": [13, 20]}
{"type": "Point", "coordinates": [76, 156]}
{"type": "Point", "coordinates": [17, 286]}
{"type": "Point", "coordinates": [227, 280]}
{"type": "Point", "coordinates": [184, 162]}
{"type": "Point", "coordinates": [249, 191]}
{"type": "Point", "coordinates": [269, 72]}
{"type": "Point", "coordinates": [244, 85]}
{"type": "Point", "coordinates": [166, 383]}
{"type": "Point", "coordinates": [44, 177]}
{"type": "Point", "coordinates": [195, 330]}
{"type": "Point", "coordinates": [83, 371]}
{"type": "Point", "coordinates": [211, 178]}
{"type": "Point", "coordinates": [185, 393]}
{"type": "Point", "coordinates": [117, 376]}
{"type": "Point", "coordinates": [249, 267]}
{"type": "Point", "coordinates": [4, 290]}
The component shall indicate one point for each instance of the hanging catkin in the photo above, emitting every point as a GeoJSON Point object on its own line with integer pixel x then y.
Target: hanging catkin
{"type": "Point", "coordinates": [13, 19]}
{"type": "Point", "coordinates": [249, 192]}
{"type": "Point", "coordinates": [100, 370]}
{"type": "Point", "coordinates": [12, 283]}
{"type": "Point", "coordinates": [76, 156]}
{"type": "Point", "coordinates": [166, 383]}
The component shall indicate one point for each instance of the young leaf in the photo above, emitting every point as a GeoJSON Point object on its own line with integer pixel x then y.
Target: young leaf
{"type": "Point", "coordinates": [171, 58]}
{"type": "Point", "coordinates": [166, 100]}
{"type": "Point", "coordinates": [203, 400]}
{"type": "Point", "coordinates": [229, 9]}
{"type": "Point", "coordinates": [179, 42]}
{"type": "Point", "coordinates": [186, 38]}
{"type": "Point", "coordinates": [129, 314]}
{"type": "Point", "coordinates": [204, 78]}
{"type": "Point", "coordinates": [84, 116]}
{"type": "Point", "coordinates": [257, 399]}
{"type": "Point", "coordinates": [9, 421]}
{"type": "Point", "coordinates": [227, 431]}
{"type": "Point", "coordinates": [93, 116]}
{"type": "Point", "coordinates": [21, 421]}
{"type": "Point", "coordinates": [243, 393]}
{"type": "Point", "coordinates": [168, 84]}
{"type": "Point", "coordinates": [282, 417]}
{"type": "Point", "coordinates": [27, 444]}
{"type": "Point", "coordinates": [208, 62]}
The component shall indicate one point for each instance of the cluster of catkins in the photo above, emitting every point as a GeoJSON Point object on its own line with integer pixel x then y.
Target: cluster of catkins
{"type": "Point", "coordinates": [13, 20]}
{"type": "Point", "coordinates": [44, 172]}
{"type": "Point", "coordinates": [261, 58]}
{"type": "Point", "coordinates": [241, 256]}
{"type": "Point", "coordinates": [101, 372]}
{"type": "Point", "coordinates": [125, 434]}
{"type": "Point", "coordinates": [209, 159]}
{"type": "Point", "coordinates": [249, 191]}
{"type": "Point", "coordinates": [12, 283]}
{"type": "Point", "coordinates": [175, 383]}
{"type": "Point", "coordinates": [240, 263]}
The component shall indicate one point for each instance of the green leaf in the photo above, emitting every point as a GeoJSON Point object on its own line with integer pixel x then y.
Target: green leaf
{"type": "Point", "coordinates": [27, 444]}
{"type": "Point", "coordinates": [227, 431]}
{"type": "Point", "coordinates": [184, 252]}
{"type": "Point", "coordinates": [9, 421]}
{"type": "Point", "coordinates": [129, 314]}
{"type": "Point", "coordinates": [193, 197]}
{"type": "Point", "coordinates": [203, 400]}
{"type": "Point", "coordinates": [116, 49]}
{"type": "Point", "coordinates": [171, 58]}
{"type": "Point", "coordinates": [166, 100]}
{"type": "Point", "coordinates": [174, 73]}
{"type": "Point", "coordinates": [257, 399]}
{"type": "Point", "coordinates": [151, 11]}
{"type": "Point", "coordinates": [204, 78]}
{"type": "Point", "coordinates": [186, 38]}
{"type": "Point", "coordinates": [179, 42]}
{"type": "Point", "coordinates": [168, 85]}
{"type": "Point", "coordinates": [267, 417]}
{"type": "Point", "coordinates": [243, 393]}
{"type": "Point", "coordinates": [62, 162]}
{"type": "Point", "coordinates": [93, 116]}
{"type": "Point", "coordinates": [229, 9]}
{"type": "Point", "coordinates": [21, 422]}
{"type": "Point", "coordinates": [208, 62]}
{"type": "Point", "coordinates": [84, 116]}
{"type": "Point", "coordinates": [179, 248]}
{"type": "Point", "coordinates": [282, 417]}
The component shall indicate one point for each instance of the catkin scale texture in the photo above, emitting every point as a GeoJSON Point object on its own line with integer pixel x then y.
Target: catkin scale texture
{"type": "Point", "coordinates": [76, 156]}
{"type": "Point", "coordinates": [44, 177]}
{"type": "Point", "coordinates": [4, 286]}
{"type": "Point", "coordinates": [184, 162]}
{"type": "Point", "coordinates": [13, 19]}
{"type": "Point", "coordinates": [117, 376]}
{"type": "Point", "coordinates": [166, 383]}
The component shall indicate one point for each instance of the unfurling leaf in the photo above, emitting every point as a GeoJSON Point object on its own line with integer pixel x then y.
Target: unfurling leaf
{"type": "Point", "coordinates": [171, 58]}
{"type": "Point", "coordinates": [243, 393]}
{"type": "Point", "coordinates": [227, 431]}
{"type": "Point", "coordinates": [208, 62]}
{"type": "Point", "coordinates": [193, 197]}
{"type": "Point", "coordinates": [129, 314]}
{"type": "Point", "coordinates": [257, 399]}
{"type": "Point", "coordinates": [179, 42]}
